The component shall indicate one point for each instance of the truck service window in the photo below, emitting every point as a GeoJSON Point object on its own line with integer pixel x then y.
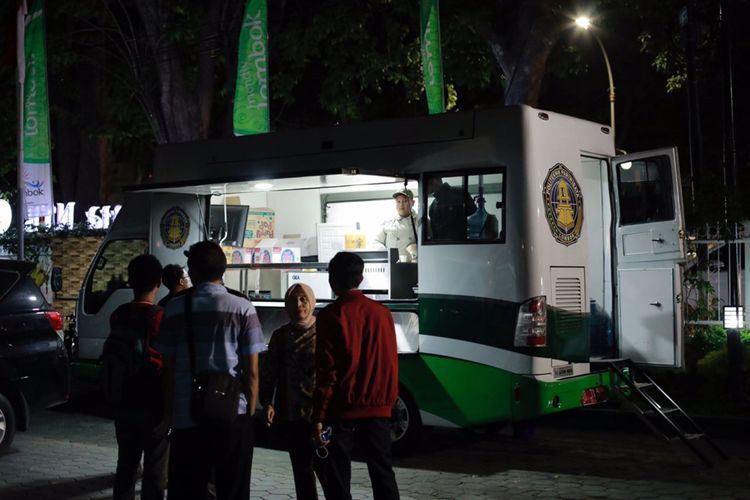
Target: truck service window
{"type": "Point", "coordinates": [465, 208]}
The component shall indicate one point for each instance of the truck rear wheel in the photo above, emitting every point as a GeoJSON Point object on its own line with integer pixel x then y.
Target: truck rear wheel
{"type": "Point", "coordinates": [406, 424]}
{"type": "Point", "coordinates": [7, 423]}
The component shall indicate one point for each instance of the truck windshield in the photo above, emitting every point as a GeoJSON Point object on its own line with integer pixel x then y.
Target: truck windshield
{"type": "Point", "coordinates": [110, 272]}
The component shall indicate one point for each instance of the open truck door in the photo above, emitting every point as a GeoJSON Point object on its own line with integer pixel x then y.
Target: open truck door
{"type": "Point", "coordinates": [649, 238]}
{"type": "Point", "coordinates": [165, 223]}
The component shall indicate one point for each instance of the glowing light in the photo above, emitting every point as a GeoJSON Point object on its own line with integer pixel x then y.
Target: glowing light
{"type": "Point", "coordinates": [626, 165]}
{"type": "Point", "coordinates": [263, 186]}
{"type": "Point", "coordinates": [6, 215]}
{"type": "Point", "coordinates": [583, 22]}
{"type": "Point", "coordinates": [734, 317]}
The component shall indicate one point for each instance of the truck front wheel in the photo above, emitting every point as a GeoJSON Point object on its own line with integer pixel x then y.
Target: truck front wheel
{"type": "Point", "coordinates": [406, 424]}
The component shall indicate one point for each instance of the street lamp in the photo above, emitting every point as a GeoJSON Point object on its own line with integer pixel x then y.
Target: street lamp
{"type": "Point", "coordinates": [585, 23]}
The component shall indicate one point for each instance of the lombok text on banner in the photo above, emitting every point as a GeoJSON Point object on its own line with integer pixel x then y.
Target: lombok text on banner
{"type": "Point", "coordinates": [432, 61]}
{"type": "Point", "coordinates": [36, 167]}
{"type": "Point", "coordinates": [251, 92]}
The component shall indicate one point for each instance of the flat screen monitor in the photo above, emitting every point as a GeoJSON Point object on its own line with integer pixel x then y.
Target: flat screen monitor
{"type": "Point", "coordinates": [235, 224]}
{"type": "Point", "coordinates": [372, 255]}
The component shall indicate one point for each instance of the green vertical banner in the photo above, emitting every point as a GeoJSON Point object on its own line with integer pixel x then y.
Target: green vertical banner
{"type": "Point", "coordinates": [37, 169]}
{"type": "Point", "coordinates": [251, 91]}
{"type": "Point", "coordinates": [432, 61]}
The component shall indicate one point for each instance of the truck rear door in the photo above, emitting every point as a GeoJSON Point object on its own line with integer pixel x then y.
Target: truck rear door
{"type": "Point", "coordinates": [649, 241]}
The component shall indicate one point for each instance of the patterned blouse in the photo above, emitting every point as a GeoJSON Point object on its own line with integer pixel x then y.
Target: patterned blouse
{"type": "Point", "coordinates": [288, 369]}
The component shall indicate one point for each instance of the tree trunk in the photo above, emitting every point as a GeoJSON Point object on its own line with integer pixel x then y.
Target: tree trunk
{"type": "Point", "coordinates": [523, 52]}
{"type": "Point", "coordinates": [229, 28]}
{"type": "Point", "coordinates": [178, 107]}
{"type": "Point", "coordinates": [208, 51]}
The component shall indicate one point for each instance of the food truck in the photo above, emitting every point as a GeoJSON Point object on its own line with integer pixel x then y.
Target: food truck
{"type": "Point", "coordinates": [539, 253]}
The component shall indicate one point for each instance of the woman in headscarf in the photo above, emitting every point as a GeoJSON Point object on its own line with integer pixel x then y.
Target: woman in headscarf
{"type": "Point", "coordinates": [287, 381]}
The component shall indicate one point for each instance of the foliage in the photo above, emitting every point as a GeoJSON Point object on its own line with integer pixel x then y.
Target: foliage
{"type": "Point", "coordinates": [8, 130]}
{"type": "Point", "coordinates": [701, 301]}
{"type": "Point", "coordinates": [714, 381]}
{"type": "Point", "coordinates": [8, 101]}
{"type": "Point", "coordinates": [350, 60]}
{"type": "Point", "coordinates": [662, 37]}
{"type": "Point", "coordinates": [708, 339]}
{"type": "Point", "coordinates": [334, 62]}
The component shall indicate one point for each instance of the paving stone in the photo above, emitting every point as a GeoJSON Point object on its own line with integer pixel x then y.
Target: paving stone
{"type": "Point", "coordinates": [73, 456]}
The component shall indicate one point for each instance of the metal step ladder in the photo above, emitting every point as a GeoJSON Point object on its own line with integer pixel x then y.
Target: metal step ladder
{"type": "Point", "coordinates": [657, 410]}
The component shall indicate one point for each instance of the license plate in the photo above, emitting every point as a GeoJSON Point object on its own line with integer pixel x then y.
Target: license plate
{"type": "Point", "coordinates": [562, 371]}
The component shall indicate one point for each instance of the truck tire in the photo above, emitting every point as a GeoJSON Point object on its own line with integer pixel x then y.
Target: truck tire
{"type": "Point", "coordinates": [406, 424]}
{"type": "Point", "coordinates": [7, 423]}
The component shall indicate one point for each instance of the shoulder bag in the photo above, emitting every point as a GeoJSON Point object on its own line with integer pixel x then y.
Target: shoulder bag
{"type": "Point", "coordinates": [215, 395]}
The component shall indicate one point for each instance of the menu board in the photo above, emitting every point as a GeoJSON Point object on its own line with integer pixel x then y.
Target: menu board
{"type": "Point", "coordinates": [332, 239]}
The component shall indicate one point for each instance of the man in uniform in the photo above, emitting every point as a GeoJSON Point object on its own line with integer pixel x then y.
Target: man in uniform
{"type": "Point", "coordinates": [402, 231]}
{"type": "Point", "coordinates": [448, 211]}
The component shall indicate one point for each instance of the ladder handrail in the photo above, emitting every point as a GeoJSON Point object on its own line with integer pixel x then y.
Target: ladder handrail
{"type": "Point", "coordinates": [648, 398]}
{"type": "Point", "coordinates": [631, 381]}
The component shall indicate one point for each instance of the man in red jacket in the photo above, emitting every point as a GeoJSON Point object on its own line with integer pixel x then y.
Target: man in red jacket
{"type": "Point", "coordinates": [356, 382]}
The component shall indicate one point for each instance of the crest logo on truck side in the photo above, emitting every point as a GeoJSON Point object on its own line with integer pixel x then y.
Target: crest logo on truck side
{"type": "Point", "coordinates": [174, 228]}
{"type": "Point", "coordinates": [563, 204]}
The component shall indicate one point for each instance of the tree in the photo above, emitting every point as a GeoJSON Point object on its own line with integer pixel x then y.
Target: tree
{"type": "Point", "coordinates": [186, 45]}
{"type": "Point", "coordinates": [128, 74]}
{"type": "Point", "coordinates": [521, 36]}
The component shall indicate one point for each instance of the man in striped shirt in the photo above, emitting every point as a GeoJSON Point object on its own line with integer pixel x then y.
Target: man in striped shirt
{"type": "Point", "coordinates": [228, 337]}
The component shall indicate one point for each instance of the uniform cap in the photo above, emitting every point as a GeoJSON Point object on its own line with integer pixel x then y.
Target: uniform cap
{"type": "Point", "coordinates": [404, 192]}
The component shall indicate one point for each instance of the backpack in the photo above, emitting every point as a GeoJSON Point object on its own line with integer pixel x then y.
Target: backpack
{"type": "Point", "coordinates": [126, 363]}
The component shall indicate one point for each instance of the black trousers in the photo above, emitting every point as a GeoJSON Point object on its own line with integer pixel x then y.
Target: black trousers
{"type": "Point", "coordinates": [373, 436]}
{"type": "Point", "coordinates": [196, 451]}
{"type": "Point", "coordinates": [135, 438]}
{"type": "Point", "coordinates": [298, 437]}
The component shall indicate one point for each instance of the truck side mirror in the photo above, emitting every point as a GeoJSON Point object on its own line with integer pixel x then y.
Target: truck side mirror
{"type": "Point", "coordinates": [57, 279]}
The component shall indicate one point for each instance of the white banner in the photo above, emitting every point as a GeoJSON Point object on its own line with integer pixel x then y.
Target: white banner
{"type": "Point", "coordinates": [37, 187]}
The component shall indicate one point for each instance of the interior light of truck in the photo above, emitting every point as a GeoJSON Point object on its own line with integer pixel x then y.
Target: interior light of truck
{"type": "Point", "coordinates": [531, 323]}
{"type": "Point", "coordinates": [263, 186]}
{"type": "Point", "coordinates": [626, 165]}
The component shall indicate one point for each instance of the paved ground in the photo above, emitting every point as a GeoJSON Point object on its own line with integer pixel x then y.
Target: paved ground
{"type": "Point", "coordinates": [71, 455]}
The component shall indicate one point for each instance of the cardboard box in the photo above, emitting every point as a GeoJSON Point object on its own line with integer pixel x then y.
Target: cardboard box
{"type": "Point", "coordinates": [262, 255]}
{"type": "Point", "coordinates": [272, 251]}
{"type": "Point", "coordinates": [355, 241]}
{"type": "Point", "coordinates": [237, 255]}
{"type": "Point", "coordinates": [289, 255]}
{"type": "Point", "coordinates": [260, 224]}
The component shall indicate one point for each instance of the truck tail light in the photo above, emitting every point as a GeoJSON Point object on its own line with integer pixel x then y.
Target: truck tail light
{"type": "Point", "coordinates": [594, 395]}
{"type": "Point", "coordinates": [531, 324]}
{"type": "Point", "coordinates": [56, 322]}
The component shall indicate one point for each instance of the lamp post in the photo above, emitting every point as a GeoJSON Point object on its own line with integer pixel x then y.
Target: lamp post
{"type": "Point", "coordinates": [585, 23]}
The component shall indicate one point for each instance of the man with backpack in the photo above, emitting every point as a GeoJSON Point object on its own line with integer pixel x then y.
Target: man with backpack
{"type": "Point", "coordinates": [131, 382]}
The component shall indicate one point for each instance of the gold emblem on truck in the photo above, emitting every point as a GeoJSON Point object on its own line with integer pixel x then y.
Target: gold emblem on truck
{"type": "Point", "coordinates": [174, 228]}
{"type": "Point", "coordinates": [563, 204]}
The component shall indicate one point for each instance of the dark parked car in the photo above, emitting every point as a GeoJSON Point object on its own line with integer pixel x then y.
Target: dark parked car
{"type": "Point", "coordinates": [34, 369]}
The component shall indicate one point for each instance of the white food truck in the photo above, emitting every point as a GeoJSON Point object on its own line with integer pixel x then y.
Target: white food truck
{"type": "Point", "coordinates": [559, 253]}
